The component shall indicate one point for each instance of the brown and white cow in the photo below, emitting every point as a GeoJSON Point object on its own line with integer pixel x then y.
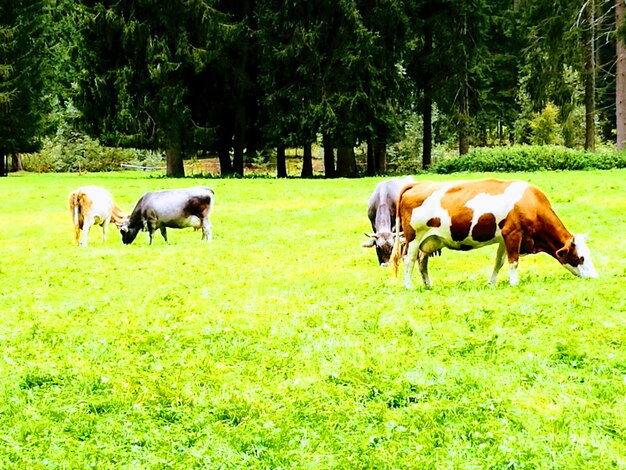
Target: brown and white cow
{"type": "Point", "coordinates": [462, 215]}
{"type": "Point", "coordinates": [93, 205]}
{"type": "Point", "coordinates": [174, 208]}
{"type": "Point", "coordinates": [381, 210]}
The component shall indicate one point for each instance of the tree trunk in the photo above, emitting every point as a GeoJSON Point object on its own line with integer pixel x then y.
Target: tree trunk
{"type": "Point", "coordinates": [239, 142]}
{"type": "Point", "coordinates": [16, 162]}
{"type": "Point", "coordinates": [620, 100]}
{"type": "Point", "coordinates": [380, 157]}
{"type": "Point", "coordinates": [371, 162]}
{"type": "Point", "coordinates": [281, 162]}
{"type": "Point", "coordinates": [590, 77]}
{"type": "Point", "coordinates": [329, 158]}
{"type": "Point", "coordinates": [346, 162]}
{"type": "Point", "coordinates": [175, 167]}
{"type": "Point", "coordinates": [4, 167]}
{"type": "Point", "coordinates": [464, 121]}
{"type": "Point", "coordinates": [307, 162]}
{"type": "Point", "coordinates": [427, 105]}
{"type": "Point", "coordinates": [223, 154]}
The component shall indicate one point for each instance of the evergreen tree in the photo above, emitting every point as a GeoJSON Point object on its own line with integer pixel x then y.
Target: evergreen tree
{"type": "Point", "coordinates": [145, 62]}
{"type": "Point", "coordinates": [21, 77]}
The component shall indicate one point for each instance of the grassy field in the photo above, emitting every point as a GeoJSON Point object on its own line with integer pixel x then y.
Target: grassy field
{"type": "Point", "coordinates": [283, 345]}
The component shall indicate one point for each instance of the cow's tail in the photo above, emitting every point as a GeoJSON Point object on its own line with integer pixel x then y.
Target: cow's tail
{"type": "Point", "coordinates": [211, 201]}
{"type": "Point", "coordinates": [74, 201]}
{"type": "Point", "coordinates": [396, 253]}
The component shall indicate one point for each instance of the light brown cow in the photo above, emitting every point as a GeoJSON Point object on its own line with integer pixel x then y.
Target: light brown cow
{"type": "Point", "coordinates": [463, 215]}
{"type": "Point", "coordinates": [93, 205]}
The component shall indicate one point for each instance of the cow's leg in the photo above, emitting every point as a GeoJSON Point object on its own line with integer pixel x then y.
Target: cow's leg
{"type": "Point", "coordinates": [87, 223]}
{"type": "Point", "coordinates": [105, 226]}
{"type": "Point", "coordinates": [409, 263]}
{"type": "Point", "coordinates": [151, 230]}
{"type": "Point", "coordinates": [500, 256]}
{"type": "Point", "coordinates": [206, 229]}
{"type": "Point", "coordinates": [513, 242]}
{"type": "Point", "coordinates": [164, 233]}
{"type": "Point", "coordinates": [423, 263]}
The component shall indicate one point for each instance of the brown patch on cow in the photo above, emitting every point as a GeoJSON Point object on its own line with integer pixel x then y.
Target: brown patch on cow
{"type": "Point", "coordinates": [434, 222]}
{"type": "Point", "coordinates": [197, 206]}
{"type": "Point", "coordinates": [461, 222]}
{"type": "Point", "coordinates": [485, 228]}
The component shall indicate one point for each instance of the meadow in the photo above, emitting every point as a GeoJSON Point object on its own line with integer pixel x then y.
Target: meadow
{"type": "Point", "coordinates": [282, 344]}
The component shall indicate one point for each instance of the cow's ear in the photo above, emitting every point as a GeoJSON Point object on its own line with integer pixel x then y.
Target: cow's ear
{"type": "Point", "coordinates": [566, 250]}
{"type": "Point", "coordinates": [369, 244]}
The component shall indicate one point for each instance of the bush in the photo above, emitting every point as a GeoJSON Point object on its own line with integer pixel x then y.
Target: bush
{"type": "Point", "coordinates": [531, 158]}
{"type": "Point", "coordinates": [545, 126]}
{"type": "Point", "coordinates": [81, 153]}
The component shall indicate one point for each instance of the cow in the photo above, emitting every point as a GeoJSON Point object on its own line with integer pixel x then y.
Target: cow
{"type": "Point", "coordinates": [381, 210]}
{"type": "Point", "coordinates": [173, 208]}
{"type": "Point", "coordinates": [91, 205]}
{"type": "Point", "coordinates": [463, 215]}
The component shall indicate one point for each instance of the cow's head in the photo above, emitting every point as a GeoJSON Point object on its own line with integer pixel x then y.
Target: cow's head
{"type": "Point", "coordinates": [576, 257]}
{"type": "Point", "coordinates": [128, 234]}
{"type": "Point", "coordinates": [121, 222]}
{"type": "Point", "coordinates": [383, 241]}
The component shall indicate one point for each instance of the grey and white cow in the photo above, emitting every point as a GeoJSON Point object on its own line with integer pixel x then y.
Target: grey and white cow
{"type": "Point", "coordinates": [173, 208]}
{"type": "Point", "coordinates": [381, 211]}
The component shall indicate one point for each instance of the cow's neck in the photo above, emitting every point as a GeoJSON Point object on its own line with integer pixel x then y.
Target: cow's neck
{"type": "Point", "coordinates": [552, 236]}
{"type": "Point", "coordinates": [383, 218]}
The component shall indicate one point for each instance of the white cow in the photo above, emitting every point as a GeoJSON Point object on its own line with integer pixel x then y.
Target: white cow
{"type": "Point", "coordinates": [93, 205]}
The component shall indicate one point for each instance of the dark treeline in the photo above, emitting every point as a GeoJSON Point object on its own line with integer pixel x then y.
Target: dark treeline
{"type": "Point", "coordinates": [239, 78]}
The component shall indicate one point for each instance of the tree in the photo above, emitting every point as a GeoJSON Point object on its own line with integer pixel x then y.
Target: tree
{"type": "Point", "coordinates": [147, 67]}
{"type": "Point", "coordinates": [620, 75]}
{"type": "Point", "coordinates": [21, 77]}
{"type": "Point", "coordinates": [331, 68]}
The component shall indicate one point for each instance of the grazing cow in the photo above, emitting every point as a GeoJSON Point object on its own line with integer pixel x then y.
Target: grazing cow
{"type": "Point", "coordinates": [381, 210]}
{"type": "Point", "coordinates": [93, 205]}
{"type": "Point", "coordinates": [174, 208]}
{"type": "Point", "coordinates": [463, 215]}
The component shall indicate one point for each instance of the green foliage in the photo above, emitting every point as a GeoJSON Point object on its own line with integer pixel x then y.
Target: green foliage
{"type": "Point", "coordinates": [545, 127]}
{"type": "Point", "coordinates": [78, 152]}
{"type": "Point", "coordinates": [408, 151]}
{"type": "Point", "coordinates": [284, 345]}
{"type": "Point", "coordinates": [531, 158]}
{"type": "Point", "coordinates": [21, 75]}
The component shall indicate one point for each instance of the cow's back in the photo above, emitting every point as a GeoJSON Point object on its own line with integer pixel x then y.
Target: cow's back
{"type": "Point", "coordinates": [382, 202]}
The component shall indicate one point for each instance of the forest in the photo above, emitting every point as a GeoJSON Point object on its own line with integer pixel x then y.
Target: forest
{"type": "Point", "coordinates": [244, 80]}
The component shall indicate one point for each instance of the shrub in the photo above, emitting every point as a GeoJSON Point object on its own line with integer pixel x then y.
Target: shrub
{"type": "Point", "coordinates": [82, 153]}
{"type": "Point", "coordinates": [545, 126]}
{"type": "Point", "coordinates": [531, 158]}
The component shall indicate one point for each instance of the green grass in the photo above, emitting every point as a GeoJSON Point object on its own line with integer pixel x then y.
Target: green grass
{"type": "Point", "coordinates": [282, 344]}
